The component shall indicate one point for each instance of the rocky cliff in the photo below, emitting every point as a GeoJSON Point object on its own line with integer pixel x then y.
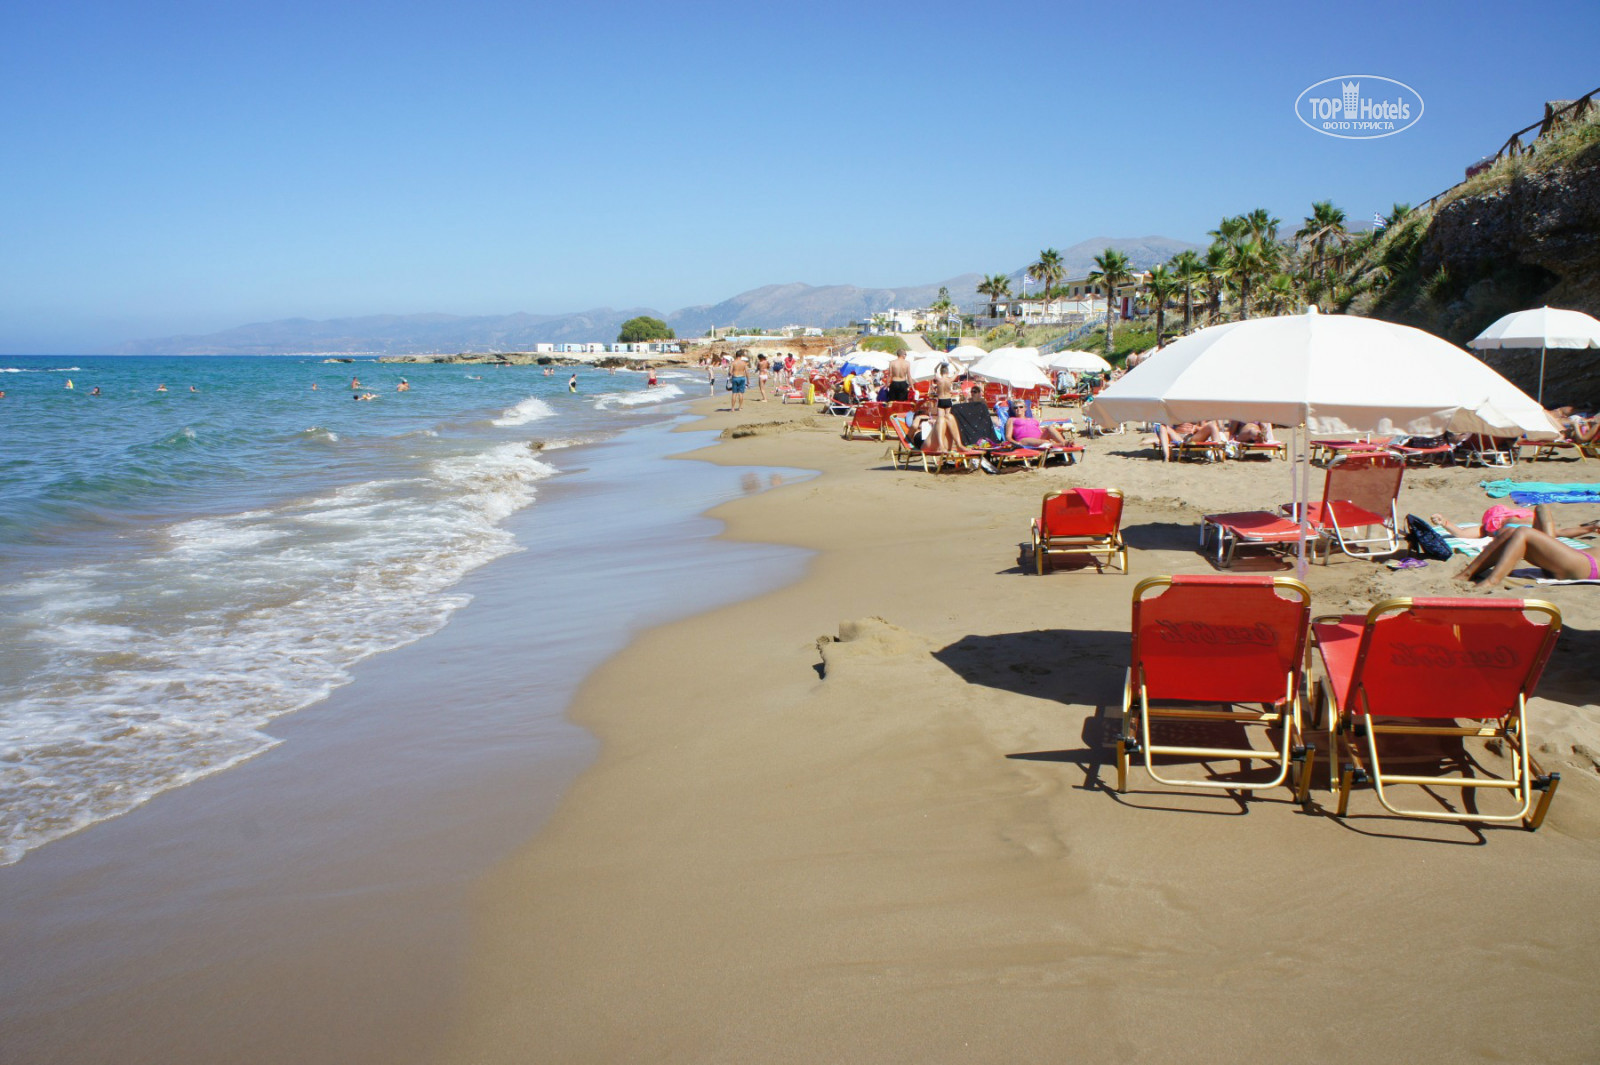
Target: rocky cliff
{"type": "Point", "coordinates": [1526, 235]}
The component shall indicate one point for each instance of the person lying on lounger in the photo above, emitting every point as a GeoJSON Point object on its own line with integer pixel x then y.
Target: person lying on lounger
{"type": "Point", "coordinates": [1584, 430]}
{"type": "Point", "coordinates": [1251, 432]}
{"type": "Point", "coordinates": [1026, 431]}
{"type": "Point", "coordinates": [934, 428]}
{"type": "Point", "coordinates": [1537, 544]}
{"type": "Point", "coordinates": [1188, 433]}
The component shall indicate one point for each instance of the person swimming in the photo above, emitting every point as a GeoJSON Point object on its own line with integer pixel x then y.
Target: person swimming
{"type": "Point", "coordinates": [161, 388]}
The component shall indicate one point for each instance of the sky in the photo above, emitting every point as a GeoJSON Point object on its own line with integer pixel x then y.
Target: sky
{"type": "Point", "coordinates": [171, 168]}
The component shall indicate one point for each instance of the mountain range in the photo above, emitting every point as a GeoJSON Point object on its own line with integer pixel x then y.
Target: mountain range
{"type": "Point", "coordinates": [768, 307]}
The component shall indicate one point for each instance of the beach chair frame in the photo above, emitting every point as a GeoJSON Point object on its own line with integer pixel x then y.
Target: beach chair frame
{"type": "Point", "coordinates": [1214, 666]}
{"type": "Point", "coordinates": [1498, 669]}
{"type": "Point", "coordinates": [1361, 491]}
{"type": "Point", "coordinates": [869, 420]}
{"type": "Point", "coordinates": [1103, 535]}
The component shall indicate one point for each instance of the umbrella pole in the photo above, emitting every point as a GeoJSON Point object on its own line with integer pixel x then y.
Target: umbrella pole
{"type": "Point", "coordinates": [1301, 475]}
{"type": "Point", "coordinates": [1541, 374]}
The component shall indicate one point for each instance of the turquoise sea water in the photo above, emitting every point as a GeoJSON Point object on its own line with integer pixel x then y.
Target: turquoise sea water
{"type": "Point", "coordinates": [179, 568]}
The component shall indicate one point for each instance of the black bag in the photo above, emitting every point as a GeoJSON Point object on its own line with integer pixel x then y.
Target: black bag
{"type": "Point", "coordinates": [1424, 542]}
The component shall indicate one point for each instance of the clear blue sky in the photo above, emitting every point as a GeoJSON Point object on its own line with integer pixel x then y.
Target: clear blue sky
{"type": "Point", "coordinates": [184, 167]}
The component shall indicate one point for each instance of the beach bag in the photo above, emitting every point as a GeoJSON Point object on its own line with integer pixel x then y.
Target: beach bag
{"type": "Point", "coordinates": [1424, 542]}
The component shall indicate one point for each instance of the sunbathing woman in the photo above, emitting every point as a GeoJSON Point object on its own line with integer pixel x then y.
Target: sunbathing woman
{"type": "Point", "coordinates": [1538, 545]}
{"type": "Point", "coordinates": [1252, 432]}
{"type": "Point", "coordinates": [1027, 432]}
{"type": "Point", "coordinates": [934, 429]}
{"type": "Point", "coordinates": [1188, 433]}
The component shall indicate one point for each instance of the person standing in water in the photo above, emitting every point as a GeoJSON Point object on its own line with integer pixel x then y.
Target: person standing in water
{"type": "Point", "coordinates": [355, 384]}
{"type": "Point", "coordinates": [572, 383]}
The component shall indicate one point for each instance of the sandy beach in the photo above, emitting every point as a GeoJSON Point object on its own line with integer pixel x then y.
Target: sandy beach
{"type": "Point", "coordinates": [865, 817]}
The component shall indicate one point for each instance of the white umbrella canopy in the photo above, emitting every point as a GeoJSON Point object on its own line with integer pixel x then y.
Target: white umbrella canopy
{"type": "Point", "coordinates": [1542, 328]}
{"type": "Point", "coordinates": [968, 353]}
{"type": "Point", "coordinates": [872, 360]}
{"type": "Point", "coordinates": [1330, 373]}
{"type": "Point", "coordinates": [1010, 367]}
{"type": "Point", "coordinates": [926, 367]}
{"type": "Point", "coordinates": [1077, 362]}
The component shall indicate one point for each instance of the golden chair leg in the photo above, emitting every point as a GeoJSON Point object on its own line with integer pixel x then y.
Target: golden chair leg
{"type": "Point", "coordinates": [1302, 793]}
{"type": "Point", "coordinates": [1552, 783]}
{"type": "Point", "coordinates": [1346, 777]}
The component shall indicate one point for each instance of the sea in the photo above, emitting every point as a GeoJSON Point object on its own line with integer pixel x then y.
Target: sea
{"type": "Point", "coordinates": [193, 548]}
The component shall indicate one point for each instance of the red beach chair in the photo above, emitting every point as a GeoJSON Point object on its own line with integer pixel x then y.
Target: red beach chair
{"type": "Point", "coordinates": [1437, 668]}
{"type": "Point", "coordinates": [1224, 641]}
{"type": "Point", "coordinates": [1080, 521]}
{"type": "Point", "coordinates": [868, 419]}
{"type": "Point", "coordinates": [1358, 513]}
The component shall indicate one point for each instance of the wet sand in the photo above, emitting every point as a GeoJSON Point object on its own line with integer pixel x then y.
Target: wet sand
{"type": "Point", "coordinates": [864, 817]}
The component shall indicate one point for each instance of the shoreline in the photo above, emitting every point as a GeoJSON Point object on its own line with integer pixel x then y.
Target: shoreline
{"type": "Point", "coordinates": [309, 904]}
{"type": "Point", "coordinates": [859, 816]}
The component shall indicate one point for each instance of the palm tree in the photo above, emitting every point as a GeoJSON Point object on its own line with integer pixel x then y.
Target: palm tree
{"type": "Point", "coordinates": [1049, 270]}
{"type": "Point", "coordinates": [1188, 271]}
{"type": "Point", "coordinates": [997, 287]}
{"type": "Point", "coordinates": [1278, 293]}
{"type": "Point", "coordinates": [1248, 259]}
{"type": "Point", "coordinates": [1218, 269]}
{"type": "Point", "coordinates": [1111, 271]}
{"type": "Point", "coordinates": [1262, 225]}
{"type": "Point", "coordinates": [1325, 225]}
{"type": "Point", "coordinates": [1160, 286]}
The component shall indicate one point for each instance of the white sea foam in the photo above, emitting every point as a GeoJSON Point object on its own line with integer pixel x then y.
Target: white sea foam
{"type": "Point", "coordinates": [659, 394]}
{"type": "Point", "coordinates": [140, 678]}
{"type": "Point", "coordinates": [529, 410]}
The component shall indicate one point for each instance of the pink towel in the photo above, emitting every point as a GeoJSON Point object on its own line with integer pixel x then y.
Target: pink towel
{"type": "Point", "coordinates": [1094, 499]}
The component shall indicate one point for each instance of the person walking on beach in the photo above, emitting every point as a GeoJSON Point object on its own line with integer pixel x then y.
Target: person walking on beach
{"type": "Point", "coordinates": [899, 378]}
{"type": "Point", "coordinates": [739, 377]}
{"type": "Point", "coordinates": [572, 383]}
{"type": "Point", "coordinates": [762, 368]}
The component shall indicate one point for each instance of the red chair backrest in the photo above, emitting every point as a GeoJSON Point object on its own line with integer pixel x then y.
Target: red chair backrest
{"type": "Point", "coordinates": [1068, 513]}
{"type": "Point", "coordinates": [1369, 479]}
{"type": "Point", "coordinates": [867, 416]}
{"type": "Point", "coordinates": [1452, 658]}
{"type": "Point", "coordinates": [899, 406]}
{"type": "Point", "coordinates": [1220, 638]}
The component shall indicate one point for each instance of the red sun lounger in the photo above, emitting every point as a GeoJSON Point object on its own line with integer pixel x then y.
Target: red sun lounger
{"type": "Point", "coordinates": [1080, 521]}
{"type": "Point", "coordinates": [1224, 649]}
{"type": "Point", "coordinates": [1423, 670]}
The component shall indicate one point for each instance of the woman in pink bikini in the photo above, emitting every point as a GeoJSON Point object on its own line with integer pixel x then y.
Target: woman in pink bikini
{"type": "Point", "coordinates": [1538, 545]}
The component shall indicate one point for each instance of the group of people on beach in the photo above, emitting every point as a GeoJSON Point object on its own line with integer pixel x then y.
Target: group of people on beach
{"type": "Point", "coordinates": [738, 367]}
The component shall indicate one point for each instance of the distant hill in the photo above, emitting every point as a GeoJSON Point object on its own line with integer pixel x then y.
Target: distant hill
{"type": "Point", "coordinates": [768, 307]}
{"type": "Point", "coordinates": [775, 306]}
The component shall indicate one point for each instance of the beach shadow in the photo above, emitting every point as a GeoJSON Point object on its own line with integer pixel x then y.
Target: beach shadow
{"type": "Point", "coordinates": [1151, 453]}
{"type": "Point", "coordinates": [1162, 536]}
{"type": "Point", "coordinates": [1077, 666]}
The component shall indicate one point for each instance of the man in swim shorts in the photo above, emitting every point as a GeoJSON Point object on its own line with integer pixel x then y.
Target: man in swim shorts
{"type": "Point", "coordinates": [739, 377]}
{"type": "Point", "coordinates": [899, 378]}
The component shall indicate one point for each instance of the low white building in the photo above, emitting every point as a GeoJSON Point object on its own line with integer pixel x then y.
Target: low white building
{"type": "Point", "coordinates": [544, 349]}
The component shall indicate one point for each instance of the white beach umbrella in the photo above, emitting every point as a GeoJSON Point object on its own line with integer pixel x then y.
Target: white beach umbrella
{"type": "Point", "coordinates": [925, 367]}
{"type": "Point", "coordinates": [872, 360]}
{"type": "Point", "coordinates": [1542, 328]}
{"type": "Point", "coordinates": [1010, 367]}
{"type": "Point", "coordinates": [1328, 374]}
{"type": "Point", "coordinates": [968, 353]}
{"type": "Point", "coordinates": [1331, 373]}
{"type": "Point", "coordinates": [1077, 362]}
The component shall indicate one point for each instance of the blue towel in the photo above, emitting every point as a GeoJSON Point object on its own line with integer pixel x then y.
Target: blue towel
{"type": "Point", "coordinates": [1530, 493]}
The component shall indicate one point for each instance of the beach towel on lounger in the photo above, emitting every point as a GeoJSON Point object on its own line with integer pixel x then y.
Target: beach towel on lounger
{"type": "Point", "coordinates": [1472, 546]}
{"type": "Point", "coordinates": [1531, 493]}
{"type": "Point", "coordinates": [974, 422]}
